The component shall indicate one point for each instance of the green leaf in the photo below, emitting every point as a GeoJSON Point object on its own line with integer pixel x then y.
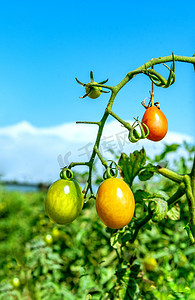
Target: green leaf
{"type": "Point", "coordinates": [114, 241]}
{"type": "Point", "coordinates": [145, 175]}
{"type": "Point", "coordinates": [131, 165]}
{"type": "Point", "coordinates": [127, 291]}
{"type": "Point", "coordinates": [168, 149]}
{"type": "Point", "coordinates": [174, 213]}
{"type": "Point", "coordinates": [160, 209]}
{"type": "Point", "coordinates": [135, 269]}
{"type": "Point", "coordinates": [126, 237]}
{"type": "Point", "coordinates": [141, 195]}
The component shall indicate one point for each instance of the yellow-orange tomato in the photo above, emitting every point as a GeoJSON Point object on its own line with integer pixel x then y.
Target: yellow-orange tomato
{"type": "Point", "coordinates": [150, 263]}
{"type": "Point", "coordinates": [115, 203]}
{"type": "Point", "coordinates": [157, 123]}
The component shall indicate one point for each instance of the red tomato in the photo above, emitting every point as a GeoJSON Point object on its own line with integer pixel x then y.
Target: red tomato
{"type": "Point", "coordinates": [157, 123]}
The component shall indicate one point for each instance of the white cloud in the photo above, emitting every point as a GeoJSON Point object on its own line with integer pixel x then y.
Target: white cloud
{"type": "Point", "coordinates": [36, 154]}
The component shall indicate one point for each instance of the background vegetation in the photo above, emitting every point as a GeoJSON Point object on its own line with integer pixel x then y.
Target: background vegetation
{"type": "Point", "coordinates": [86, 260]}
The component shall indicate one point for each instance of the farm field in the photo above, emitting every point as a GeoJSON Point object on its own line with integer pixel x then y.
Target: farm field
{"type": "Point", "coordinates": [87, 260]}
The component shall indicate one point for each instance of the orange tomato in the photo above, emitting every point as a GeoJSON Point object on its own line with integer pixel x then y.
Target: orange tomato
{"type": "Point", "coordinates": [115, 203]}
{"type": "Point", "coordinates": [157, 123]}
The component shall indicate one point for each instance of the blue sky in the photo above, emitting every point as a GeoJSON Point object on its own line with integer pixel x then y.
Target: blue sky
{"type": "Point", "coordinates": [44, 45]}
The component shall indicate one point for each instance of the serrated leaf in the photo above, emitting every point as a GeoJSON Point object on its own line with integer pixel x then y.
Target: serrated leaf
{"type": "Point", "coordinates": [131, 165]}
{"type": "Point", "coordinates": [160, 210]}
{"type": "Point", "coordinates": [174, 213]}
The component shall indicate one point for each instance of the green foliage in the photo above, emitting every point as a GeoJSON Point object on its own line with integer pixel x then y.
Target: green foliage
{"type": "Point", "coordinates": [85, 259]}
{"type": "Point", "coordinates": [131, 165]}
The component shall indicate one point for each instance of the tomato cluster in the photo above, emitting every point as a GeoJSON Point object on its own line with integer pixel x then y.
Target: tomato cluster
{"type": "Point", "coordinates": [115, 202]}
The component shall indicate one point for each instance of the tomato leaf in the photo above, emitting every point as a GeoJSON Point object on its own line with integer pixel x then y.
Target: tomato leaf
{"type": "Point", "coordinates": [114, 241]}
{"type": "Point", "coordinates": [141, 195]}
{"type": "Point", "coordinates": [131, 165]}
{"type": "Point", "coordinates": [126, 237]}
{"type": "Point", "coordinates": [145, 175]}
{"type": "Point", "coordinates": [160, 209]}
{"type": "Point", "coordinates": [174, 213]}
{"type": "Point", "coordinates": [168, 149]}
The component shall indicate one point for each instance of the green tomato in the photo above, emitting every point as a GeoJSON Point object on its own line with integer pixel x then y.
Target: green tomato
{"type": "Point", "coordinates": [16, 282]}
{"type": "Point", "coordinates": [49, 239]}
{"type": "Point", "coordinates": [93, 92]}
{"type": "Point", "coordinates": [64, 201]}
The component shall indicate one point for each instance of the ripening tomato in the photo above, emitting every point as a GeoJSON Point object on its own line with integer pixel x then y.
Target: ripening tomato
{"type": "Point", "coordinates": [115, 203]}
{"type": "Point", "coordinates": [157, 123]}
{"type": "Point", "coordinates": [93, 92]}
{"type": "Point", "coordinates": [150, 263]}
{"type": "Point", "coordinates": [64, 201]}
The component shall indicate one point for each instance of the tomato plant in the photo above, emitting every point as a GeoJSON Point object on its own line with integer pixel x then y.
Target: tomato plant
{"type": "Point", "coordinates": [118, 203]}
{"type": "Point", "coordinates": [115, 203]}
{"type": "Point", "coordinates": [149, 211]}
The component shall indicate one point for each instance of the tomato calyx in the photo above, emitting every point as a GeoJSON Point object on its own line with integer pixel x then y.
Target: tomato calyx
{"type": "Point", "coordinates": [92, 91]}
{"type": "Point", "coordinates": [111, 171]}
{"type": "Point", "coordinates": [66, 174]}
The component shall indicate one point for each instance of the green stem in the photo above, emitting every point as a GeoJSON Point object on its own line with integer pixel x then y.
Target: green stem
{"type": "Point", "coordinates": [191, 202]}
{"type": "Point", "coordinates": [108, 110]}
{"type": "Point", "coordinates": [178, 194]}
{"type": "Point", "coordinates": [192, 175]}
{"type": "Point", "coordinates": [87, 122]}
{"type": "Point", "coordinates": [74, 164]}
{"type": "Point", "coordinates": [103, 161]}
{"type": "Point", "coordinates": [153, 62]}
{"type": "Point", "coordinates": [171, 175]}
{"type": "Point", "coordinates": [139, 224]}
{"type": "Point", "coordinates": [125, 124]}
{"type": "Point", "coordinates": [190, 235]}
{"type": "Point", "coordinates": [102, 85]}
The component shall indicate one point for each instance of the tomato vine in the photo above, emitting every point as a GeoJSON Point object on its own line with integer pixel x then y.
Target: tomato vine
{"type": "Point", "coordinates": [186, 182]}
